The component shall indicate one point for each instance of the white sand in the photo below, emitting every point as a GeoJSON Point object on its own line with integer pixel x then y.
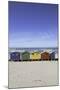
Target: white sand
{"type": "Point", "coordinates": [35, 73]}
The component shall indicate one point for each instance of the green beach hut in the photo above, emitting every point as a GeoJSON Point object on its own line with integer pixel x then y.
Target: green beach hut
{"type": "Point", "coordinates": [26, 56]}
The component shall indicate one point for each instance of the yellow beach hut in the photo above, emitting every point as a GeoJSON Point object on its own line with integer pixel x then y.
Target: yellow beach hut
{"type": "Point", "coordinates": [35, 56]}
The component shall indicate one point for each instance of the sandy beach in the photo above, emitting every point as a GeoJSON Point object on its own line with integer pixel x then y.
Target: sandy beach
{"type": "Point", "coordinates": [34, 73]}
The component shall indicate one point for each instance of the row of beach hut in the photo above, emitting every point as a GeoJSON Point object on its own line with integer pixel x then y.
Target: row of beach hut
{"type": "Point", "coordinates": [32, 56]}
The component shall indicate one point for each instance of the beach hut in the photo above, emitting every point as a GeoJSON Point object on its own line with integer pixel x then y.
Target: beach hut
{"type": "Point", "coordinates": [35, 56]}
{"type": "Point", "coordinates": [52, 56]}
{"type": "Point", "coordinates": [25, 56]}
{"type": "Point", "coordinates": [45, 56]}
{"type": "Point", "coordinates": [15, 56]}
{"type": "Point", "coordinates": [56, 56]}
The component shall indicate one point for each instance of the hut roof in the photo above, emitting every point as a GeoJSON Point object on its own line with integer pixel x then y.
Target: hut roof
{"type": "Point", "coordinates": [45, 53]}
{"type": "Point", "coordinates": [26, 52]}
{"type": "Point", "coordinates": [15, 52]}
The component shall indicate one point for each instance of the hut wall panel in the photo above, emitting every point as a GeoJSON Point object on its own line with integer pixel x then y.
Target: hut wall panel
{"type": "Point", "coordinates": [25, 56]}
{"type": "Point", "coordinates": [15, 56]}
{"type": "Point", "coordinates": [45, 56]}
{"type": "Point", "coordinates": [52, 56]}
{"type": "Point", "coordinates": [35, 56]}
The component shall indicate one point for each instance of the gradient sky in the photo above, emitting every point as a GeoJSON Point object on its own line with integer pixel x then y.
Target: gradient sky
{"type": "Point", "coordinates": [33, 25]}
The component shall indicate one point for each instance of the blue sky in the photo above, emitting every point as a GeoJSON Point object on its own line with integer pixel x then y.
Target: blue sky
{"type": "Point", "coordinates": [33, 25]}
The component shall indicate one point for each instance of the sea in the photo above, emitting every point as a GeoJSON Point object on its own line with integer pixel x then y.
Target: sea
{"type": "Point", "coordinates": [53, 49]}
